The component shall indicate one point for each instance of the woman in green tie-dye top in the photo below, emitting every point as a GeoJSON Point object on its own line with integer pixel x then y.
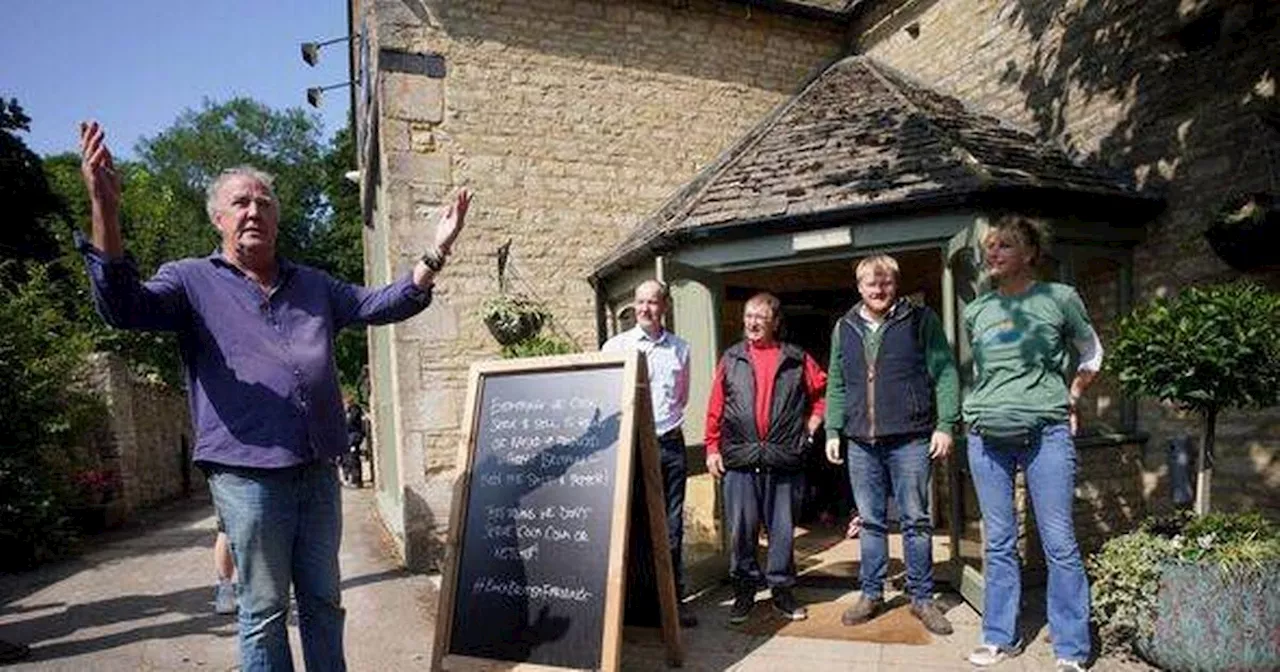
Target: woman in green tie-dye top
{"type": "Point", "coordinates": [1021, 415]}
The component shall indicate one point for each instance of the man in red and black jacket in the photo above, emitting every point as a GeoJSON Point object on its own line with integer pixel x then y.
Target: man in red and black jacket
{"type": "Point", "coordinates": [767, 400]}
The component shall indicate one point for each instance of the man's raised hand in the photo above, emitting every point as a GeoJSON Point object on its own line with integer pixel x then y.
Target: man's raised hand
{"type": "Point", "coordinates": [452, 221]}
{"type": "Point", "coordinates": [103, 183]}
{"type": "Point", "coordinates": [97, 168]}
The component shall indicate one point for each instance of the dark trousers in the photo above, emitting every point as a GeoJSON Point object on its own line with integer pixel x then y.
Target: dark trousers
{"type": "Point", "coordinates": [675, 470]}
{"type": "Point", "coordinates": [753, 498]}
{"type": "Point", "coordinates": [352, 467]}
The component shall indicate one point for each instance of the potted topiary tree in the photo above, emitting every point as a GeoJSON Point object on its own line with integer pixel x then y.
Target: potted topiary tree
{"type": "Point", "coordinates": [1207, 350]}
{"type": "Point", "coordinates": [1198, 593]}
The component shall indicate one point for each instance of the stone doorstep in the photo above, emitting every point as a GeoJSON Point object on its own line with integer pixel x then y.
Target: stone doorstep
{"type": "Point", "coordinates": [714, 644]}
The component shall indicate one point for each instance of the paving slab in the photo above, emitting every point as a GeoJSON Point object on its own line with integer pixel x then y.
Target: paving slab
{"type": "Point", "coordinates": [140, 599]}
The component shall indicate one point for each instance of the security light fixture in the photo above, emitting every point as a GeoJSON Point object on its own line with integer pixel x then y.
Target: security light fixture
{"type": "Point", "coordinates": [314, 92]}
{"type": "Point", "coordinates": [311, 50]}
{"type": "Point", "coordinates": [310, 53]}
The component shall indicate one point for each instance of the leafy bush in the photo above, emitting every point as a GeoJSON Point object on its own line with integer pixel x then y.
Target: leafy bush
{"type": "Point", "coordinates": [1125, 572]}
{"type": "Point", "coordinates": [44, 417]}
{"type": "Point", "coordinates": [1125, 575]}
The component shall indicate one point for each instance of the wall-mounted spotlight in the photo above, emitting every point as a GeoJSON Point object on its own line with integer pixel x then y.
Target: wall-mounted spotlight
{"type": "Point", "coordinates": [314, 93]}
{"type": "Point", "coordinates": [311, 50]}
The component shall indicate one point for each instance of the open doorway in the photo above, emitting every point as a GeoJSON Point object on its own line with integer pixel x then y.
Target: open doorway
{"type": "Point", "coordinates": [814, 296]}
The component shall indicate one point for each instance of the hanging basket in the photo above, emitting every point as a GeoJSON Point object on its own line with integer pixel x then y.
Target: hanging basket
{"type": "Point", "coordinates": [1244, 232]}
{"type": "Point", "coordinates": [512, 319]}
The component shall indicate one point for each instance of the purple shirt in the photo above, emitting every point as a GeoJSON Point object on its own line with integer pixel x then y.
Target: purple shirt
{"type": "Point", "coordinates": [261, 377]}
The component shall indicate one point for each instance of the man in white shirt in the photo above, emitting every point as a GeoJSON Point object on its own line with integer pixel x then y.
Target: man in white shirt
{"type": "Point", "coordinates": [667, 359]}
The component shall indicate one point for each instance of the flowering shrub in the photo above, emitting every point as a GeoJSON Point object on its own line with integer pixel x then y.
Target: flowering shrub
{"type": "Point", "coordinates": [1126, 572]}
{"type": "Point", "coordinates": [97, 486]}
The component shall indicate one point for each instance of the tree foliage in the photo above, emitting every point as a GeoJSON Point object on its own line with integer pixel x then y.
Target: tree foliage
{"type": "Point", "coordinates": [44, 417]}
{"type": "Point", "coordinates": [338, 248]}
{"type": "Point", "coordinates": [25, 196]}
{"type": "Point", "coordinates": [1207, 349]}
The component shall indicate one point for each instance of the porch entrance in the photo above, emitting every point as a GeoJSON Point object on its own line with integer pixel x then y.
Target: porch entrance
{"type": "Point", "coordinates": [814, 296]}
{"type": "Point", "coordinates": [811, 273]}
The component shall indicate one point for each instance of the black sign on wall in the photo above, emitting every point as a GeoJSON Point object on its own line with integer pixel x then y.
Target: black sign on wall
{"type": "Point", "coordinates": [542, 515]}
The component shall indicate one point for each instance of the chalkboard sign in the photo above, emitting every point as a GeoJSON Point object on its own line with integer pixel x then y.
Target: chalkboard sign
{"type": "Point", "coordinates": [535, 574]}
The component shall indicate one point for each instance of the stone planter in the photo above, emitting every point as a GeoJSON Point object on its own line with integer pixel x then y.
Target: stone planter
{"type": "Point", "coordinates": [1209, 620]}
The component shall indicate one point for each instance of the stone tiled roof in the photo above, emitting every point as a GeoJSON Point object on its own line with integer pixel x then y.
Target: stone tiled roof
{"type": "Point", "coordinates": [829, 5]}
{"type": "Point", "coordinates": [858, 137]}
{"type": "Point", "coordinates": [839, 11]}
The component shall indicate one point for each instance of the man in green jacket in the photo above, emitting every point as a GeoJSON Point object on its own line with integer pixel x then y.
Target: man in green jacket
{"type": "Point", "coordinates": [893, 396]}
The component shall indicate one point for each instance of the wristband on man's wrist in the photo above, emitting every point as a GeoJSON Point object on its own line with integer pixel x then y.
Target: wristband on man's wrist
{"type": "Point", "coordinates": [433, 260]}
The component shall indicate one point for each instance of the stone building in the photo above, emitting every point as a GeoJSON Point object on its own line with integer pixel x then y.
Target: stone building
{"type": "Point", "coordinates": [733, 146]}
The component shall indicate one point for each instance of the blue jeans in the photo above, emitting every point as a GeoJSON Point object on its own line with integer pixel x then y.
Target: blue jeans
{"type": "Point", "coordinates": [675, 471]}
{"type": "Point", "coordinates": [1049, 461]}
{"type": "Point", "coordinates": [752, 498]}
{"type": "Point", "coordinates": [284, 526]}
{"type": "Point", "coordinates": [900, 469]}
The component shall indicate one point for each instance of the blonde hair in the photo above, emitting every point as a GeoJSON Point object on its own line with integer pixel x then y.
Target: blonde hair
{"type": "Point", "coordinates": [1031, 232]}
{"type": "Point", "coordinates": [874, 265]}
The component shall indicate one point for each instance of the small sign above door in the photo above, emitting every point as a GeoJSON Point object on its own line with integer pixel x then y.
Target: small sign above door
{"type": "Point", "coordinates": [817, 240]}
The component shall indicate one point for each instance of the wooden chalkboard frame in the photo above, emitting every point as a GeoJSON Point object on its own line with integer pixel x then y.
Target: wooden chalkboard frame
{"type": "Point", "coordinates": [636, 438]}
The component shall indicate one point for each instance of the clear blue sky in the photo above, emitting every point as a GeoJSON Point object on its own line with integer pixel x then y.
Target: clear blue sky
{"type": "Point", "coordinates": [136, 64]}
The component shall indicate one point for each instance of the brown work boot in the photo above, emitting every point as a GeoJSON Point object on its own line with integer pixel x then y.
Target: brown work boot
{"type": "Point", "coordinates": [862, 611]}
{"type": "Point", "coordinates": [932, 617]}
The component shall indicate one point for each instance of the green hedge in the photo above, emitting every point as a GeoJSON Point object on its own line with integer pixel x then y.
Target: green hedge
{"type": "Point", "coordinates": [45, 419]}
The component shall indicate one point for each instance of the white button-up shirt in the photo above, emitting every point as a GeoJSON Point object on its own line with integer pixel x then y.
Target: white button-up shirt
{"type": "Point", "coordinates": [667, 358]}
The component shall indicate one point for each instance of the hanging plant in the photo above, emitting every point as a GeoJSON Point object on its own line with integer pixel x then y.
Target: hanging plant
{"type": "Point", "coordinates": [512, 319]}
{"type": "Point", "coordinates": [1244, 231]}
{"type": "Point", "coordinates": [539, 345]}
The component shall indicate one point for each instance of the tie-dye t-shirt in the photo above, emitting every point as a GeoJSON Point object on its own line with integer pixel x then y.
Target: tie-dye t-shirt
{"type": "Point", "coordinates": [1021, 353]}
